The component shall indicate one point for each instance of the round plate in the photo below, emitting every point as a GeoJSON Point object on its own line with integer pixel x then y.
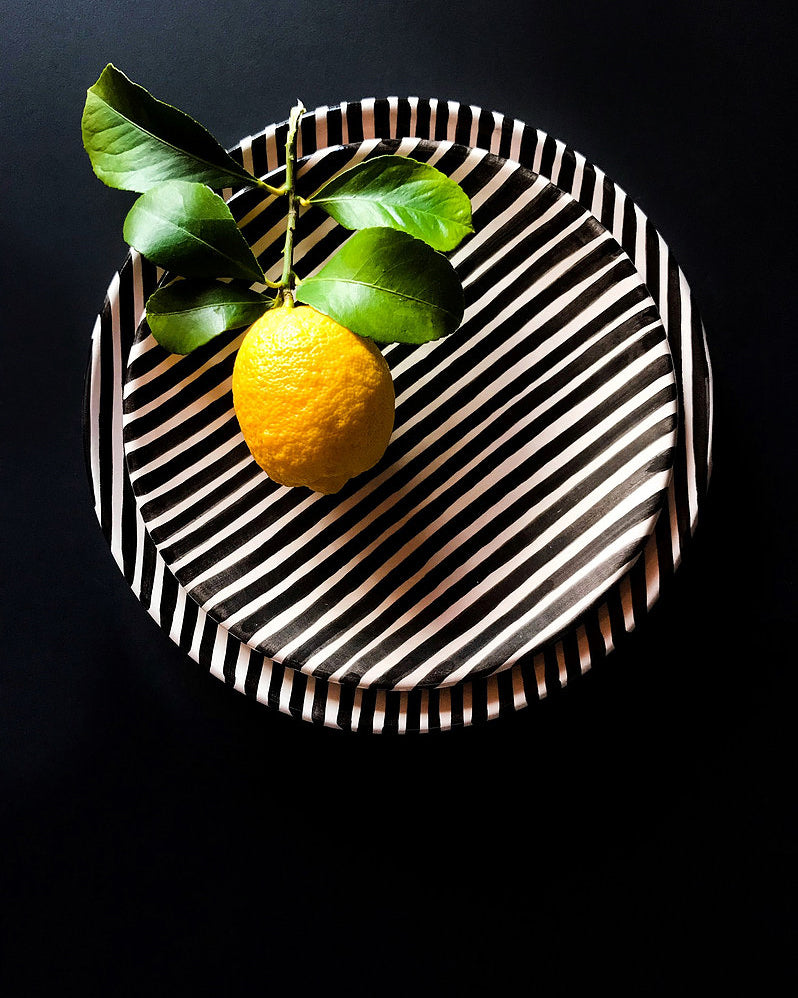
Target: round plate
{"type": "Point", "coordinates": [530, 456]}
{"type": "Point", "coordinates": [558, 661]}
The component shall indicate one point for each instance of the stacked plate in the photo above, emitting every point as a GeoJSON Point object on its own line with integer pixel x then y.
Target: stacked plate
{"type": "Point", "coordinates": [544, 475]}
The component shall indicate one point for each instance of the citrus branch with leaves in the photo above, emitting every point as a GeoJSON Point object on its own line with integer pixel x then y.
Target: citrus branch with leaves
{"type": "Point", "coordinates": [390, 281]}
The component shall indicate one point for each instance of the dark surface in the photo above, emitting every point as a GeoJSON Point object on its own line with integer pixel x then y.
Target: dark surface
{"type": "Point", "coordinates": [163, 835]}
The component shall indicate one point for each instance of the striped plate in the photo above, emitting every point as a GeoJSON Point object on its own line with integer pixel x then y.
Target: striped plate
{"type": "Point", "coordinates": [558, 661]}
{"type": "Point", "coordinates": [530, 457]}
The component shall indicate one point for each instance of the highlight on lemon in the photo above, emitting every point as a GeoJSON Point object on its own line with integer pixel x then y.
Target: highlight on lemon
{"type": "Point", "coordinates": [315, 401]}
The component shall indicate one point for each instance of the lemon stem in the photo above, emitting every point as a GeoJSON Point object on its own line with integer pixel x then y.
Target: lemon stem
{"type": "Point", "coordinates": [276, 191]}
{"type": "Point", "coordinates": [288, 280]}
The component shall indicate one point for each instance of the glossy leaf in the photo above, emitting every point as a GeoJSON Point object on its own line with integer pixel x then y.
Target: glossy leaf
{"type": "Point", "coordinates": [402, 194]}
{"type": "Point", "coordinates": [388, 286]}
{"type": "Point", "coordinates": [185, 315]}
{"type": "Point", "coordinates": [189, 230]}
{"type": "Point", "coordinates": [135, 141]}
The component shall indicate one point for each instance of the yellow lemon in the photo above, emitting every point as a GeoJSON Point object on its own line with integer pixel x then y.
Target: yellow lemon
{"type": "Point", "coordinates": [315, 402]}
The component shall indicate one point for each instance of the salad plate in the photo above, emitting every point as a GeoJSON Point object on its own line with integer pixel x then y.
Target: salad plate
{"type": "Point", "coordinates": [503, 156]}
{"type": "Point", "coordinates": [530, 455]}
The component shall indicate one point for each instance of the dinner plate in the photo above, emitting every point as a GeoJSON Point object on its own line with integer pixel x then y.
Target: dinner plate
{"type": "Point", "coordinates": [530, 455]}
{"type": "Point", "coordinates": [598, 630]}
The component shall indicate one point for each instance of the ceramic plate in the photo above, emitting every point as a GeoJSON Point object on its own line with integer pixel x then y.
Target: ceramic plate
{"type": "Point", "coordinates": [529, 460]}
{"type": "Point", "coordinates": [597, 631]}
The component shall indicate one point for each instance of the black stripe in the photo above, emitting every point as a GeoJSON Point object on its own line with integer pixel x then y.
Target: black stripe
{"type": "Point", "coordinates": [255, 668]}
{"type": "Point", "coordinates": [565, 180]}
{"type": "Point", "coordinates": [423, 119]}
{"type": "Point", "coordinates": [354, 121]}
{"type": "Point", "coordinates": [231, 647]}
{"type": "Point", "coordinates": [335, 135]}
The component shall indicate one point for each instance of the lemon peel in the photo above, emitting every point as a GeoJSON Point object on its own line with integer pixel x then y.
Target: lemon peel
{"type": "Point", "coordinates": [315, 401]}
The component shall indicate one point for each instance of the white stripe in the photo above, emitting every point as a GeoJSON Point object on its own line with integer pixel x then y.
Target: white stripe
{"type": "Point", "coordinates": [95, 383]}
{"type": "Point", "coordinates": [496, 134]}
{"type": "Point", "coordinates": [617, 215]}
{"type": "Point", "coordinates": [579, 174]}
{"type": "Point", "coordinates": [138, 564]}
{"type": "Point", "coordinates": [625, 587]}
{"type": "Point", "coordinates": [451, 124]}
{"type": "Point", "coordinates": [117, 459]}
{"type": "Point", "coordinates": [423, 720]}
{"type": "Point", "coordinates": [241, 668]}
{"type": "Point", "coordinates": [473, 139]}
{"type": "Point", "coordinates": [246, 154]}
{"type": "Point", "coordinates": [285, 690]}
{"type": "Point", "coordinates": [652, 571]}
{"type": "Point", "coordinates": [493, 697]}
{"type": "Point", "coordinates": [519, 691]}
{"type": "Point", "coordinates": [606, 628]}
{"type": "Point", "coordinates": [413, 102]}
{"type": "Point", "coordinates": [687, 398]}
{"type": "Point", "coordinates": [367, 117]}
{"type": "Point", "coordinates": [178, 615]}
{"type": "Point", "coordinates": [157, 588]}
{"type": "Point", "coordinates": [540, 138]}
{"type": "Point", "coordinates": [272, 155]}
{"type": "Point", "coordinates": [515, 142]}
{"type": "Point", "coordinates": [307, 702]}
{"type": "Point", "coordinates": [320, 115]}
{"type": "Point", "coordinates": [445, 709]}
{"type": "Point", "coordinates": [540, 675]}
{"type": "Point", "coordinates": [584, 648]}
{"type": "Point", "coordinates": [264, 681]}
{"type": "Point", "coordinates": [561, 669]}
{"type": "Point", "coordinates": [196, 638]}
{"type": "Point", "coordinates": [217, 653]}
{"type": "Point", "coordinates": [598, 194]}
{"type": "Point", "coordinates": [331, 705]}
{"type": "Point", "coordinates": [468, 704]}
{"type": "Point", "coordinates": [557, 164]}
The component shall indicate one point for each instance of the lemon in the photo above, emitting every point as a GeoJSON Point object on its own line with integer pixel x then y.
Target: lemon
{"type": "Point", "coordinates": [314, 400]}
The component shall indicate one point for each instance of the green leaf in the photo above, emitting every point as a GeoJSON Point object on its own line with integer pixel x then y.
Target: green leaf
{"type": "Point", "coordinates": [402, 194]}
{"type": "Point", "coordinates": [188, 229]}
{"type": "Point", "coordinates": [184, 315]}
{"type": "Point", "coordinates": [388, 286]}
{"type": "Point", "coordinates": [135, 141]}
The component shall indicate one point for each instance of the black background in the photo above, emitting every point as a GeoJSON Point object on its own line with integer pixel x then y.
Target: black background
{"type": "Point", "coordinates": [161, 834]}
